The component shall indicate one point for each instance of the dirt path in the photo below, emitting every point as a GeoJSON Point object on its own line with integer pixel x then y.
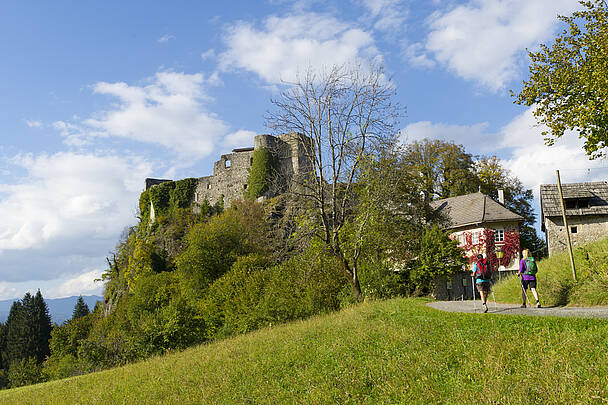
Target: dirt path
{"type": "Point", "coordinates": [513, 309]}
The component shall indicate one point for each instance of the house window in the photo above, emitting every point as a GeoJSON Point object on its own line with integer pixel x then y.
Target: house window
{"type": "Point", "coordinates": [573, 229]}
{"type": "Point", "coordinates": [475, 237]}
{"type": "Point", "coordinates": [244, 186]}
{"type": "Point", "coordinates": [250, 161]}
{"type": "Point", "coordinates": [499, 235]}
{"type": "Point", "coordinates": [209, 186]}
{"type": "Point", "coordinates": [227, 163]}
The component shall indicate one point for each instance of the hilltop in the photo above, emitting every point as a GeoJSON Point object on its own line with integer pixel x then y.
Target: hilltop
{"type": "Point", "coordinates": [395, 351]}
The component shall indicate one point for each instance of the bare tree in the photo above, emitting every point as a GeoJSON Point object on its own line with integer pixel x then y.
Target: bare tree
{"type": "Point", "coordinates": [344, 114]}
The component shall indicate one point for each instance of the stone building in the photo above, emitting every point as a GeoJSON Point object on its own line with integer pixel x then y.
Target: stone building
{"type": "Point", "coordinates": [586, 211]}
{"type": "Point", "coordinates": [230, 176]}
{"type": "Point", "coordinates": [481, 225]}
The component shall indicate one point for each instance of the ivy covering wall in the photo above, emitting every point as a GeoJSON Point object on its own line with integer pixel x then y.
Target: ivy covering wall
{"type": "Point", "coordinates": [167, 196]}
{"type": "Point", "coordinates": [259, 177]}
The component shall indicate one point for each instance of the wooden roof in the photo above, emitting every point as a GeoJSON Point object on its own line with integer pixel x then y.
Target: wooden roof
{"type": "Point", "coordinates": [471, 209]}
{"type": "Point", "coordinates": [596, 192]}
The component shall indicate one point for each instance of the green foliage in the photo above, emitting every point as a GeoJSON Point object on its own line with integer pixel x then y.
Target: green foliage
{"type": "Point", "coordinates": [438, 255]}
{"type": "Point", "coordinates": [254, 294]}
{"type": "Point", "coordinates": [80, 309]}
{"type": "Point", "coordinates": [25, 372]}
{"type": "Point", "coordinates": [183, 193]}
{"type": "Point", "coordinates": [568, 82]}
{"type": "Point", "coordinates": [57, 367]}
{"type": "Point", "coordinates": [261, 170]}
{"type": "Point", "coordinates": [379, 280]}
{"type": "Point", "coordinates": [160, 196]}
{"type": "Point", "coordinates": [144, 206]}
{"type": "Point", "coordinates": [28, 330]}
{"type": "Point", "coordinates": [212, 247]}
{"type": "Point", "coordinates": [440, 169]}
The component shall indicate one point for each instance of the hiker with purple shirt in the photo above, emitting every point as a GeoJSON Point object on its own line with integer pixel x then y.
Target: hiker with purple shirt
{"type": "Point", "coordinates": [527, 272]}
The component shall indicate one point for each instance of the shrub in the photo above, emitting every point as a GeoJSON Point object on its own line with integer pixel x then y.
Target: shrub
{"type": "Point", "coordinates": [25, 372]}
{"type": "Point", "coordinates": [437, 255]}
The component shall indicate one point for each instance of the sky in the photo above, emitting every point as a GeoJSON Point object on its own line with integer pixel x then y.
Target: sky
{"type": "Point", "coordinates": [97, 96]}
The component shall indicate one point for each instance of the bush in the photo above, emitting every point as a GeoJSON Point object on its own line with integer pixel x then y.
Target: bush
{"type": "Point", "coordinates": [252, 295]}
{"type": "Point", "coordinates": [437, 255]}
{"type": "Point", "coordinates": [379, 280]}
{"type": "Point", "coordinates": [25, 372]}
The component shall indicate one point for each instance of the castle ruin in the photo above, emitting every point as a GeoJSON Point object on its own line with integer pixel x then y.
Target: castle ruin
{"type": "Point", "coordinates": [230, 177]}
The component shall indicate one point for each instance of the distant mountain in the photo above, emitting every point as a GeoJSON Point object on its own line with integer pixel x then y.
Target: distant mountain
{"type": "Point", "coordinates": [60, 309]}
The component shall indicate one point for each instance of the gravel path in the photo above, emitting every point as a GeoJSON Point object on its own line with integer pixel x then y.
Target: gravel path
{"type": "Point", "coordinates": [513, 309]}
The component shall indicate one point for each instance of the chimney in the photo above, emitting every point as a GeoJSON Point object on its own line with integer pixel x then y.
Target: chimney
{"type": "Point", "coordinates": [501, 196]}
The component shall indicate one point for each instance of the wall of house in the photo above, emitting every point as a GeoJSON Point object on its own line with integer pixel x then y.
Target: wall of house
{"type": "Point", "coordinates": [588, 229]}
{"type": "Point", "coordinates": [465, 234]}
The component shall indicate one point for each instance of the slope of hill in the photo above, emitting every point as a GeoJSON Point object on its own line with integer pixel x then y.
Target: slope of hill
{"type": "Point", "coordinates": [60, 309]}
{"type": "Point", "coordinates": [396, 351]}
{"type": "Point", "coordinates": [555, 283]}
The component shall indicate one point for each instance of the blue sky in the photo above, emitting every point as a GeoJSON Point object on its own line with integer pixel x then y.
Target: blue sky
{"type": "Point", "coordinates": [99, 96]}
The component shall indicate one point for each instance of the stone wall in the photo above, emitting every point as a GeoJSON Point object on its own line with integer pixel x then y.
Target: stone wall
{"type": "Point", "coordinates": [231, 173]}
{"type": "Point", "coordinates": [588, 229]}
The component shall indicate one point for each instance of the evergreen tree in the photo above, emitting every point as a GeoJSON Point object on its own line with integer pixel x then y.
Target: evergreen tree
{"type": "Point", "coordinates": [41, 327]}
{"type": "Point", "coordinates": [17, 333]}
{"type": "Point", "coordinates": [28, 330]}
{"type": "Point", "coordinates": [80, 309]}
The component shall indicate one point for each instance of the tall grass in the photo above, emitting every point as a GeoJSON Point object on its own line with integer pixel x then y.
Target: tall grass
{"type": "Point", "coordinates": [388, 352]}
{"type": "Point", "coordinates": [555, 282]}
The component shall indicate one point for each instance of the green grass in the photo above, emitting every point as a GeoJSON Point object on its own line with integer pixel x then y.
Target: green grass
{"type": "Point", "coordinates": [555, 283]}
{"type": "Point", "coordinates": [388, 352]}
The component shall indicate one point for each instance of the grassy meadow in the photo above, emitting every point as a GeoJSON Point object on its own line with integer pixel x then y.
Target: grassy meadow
{"type": "Point", "coordinates": [555, 283]}
{"type": "Point", "coordinates": [386, 352]}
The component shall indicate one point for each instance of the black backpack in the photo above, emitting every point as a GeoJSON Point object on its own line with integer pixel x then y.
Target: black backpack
{"type": "Point", "coordinates": [483, 270]}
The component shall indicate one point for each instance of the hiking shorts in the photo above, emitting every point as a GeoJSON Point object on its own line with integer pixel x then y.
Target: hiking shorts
{"type": "Point", "coordinates": [483, 287]}
{"type": "Point", "coordinates": [528, 283]}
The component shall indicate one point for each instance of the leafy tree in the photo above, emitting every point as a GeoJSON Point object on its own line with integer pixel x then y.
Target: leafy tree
{"type": "Point", "coordinates": [344, 114]}
{"type": "Point", "coordinates": [438, 255]}
{"type": "Point", "coordinates": [444, 169]}
{"type": "Point", "coordinates": [568, 82]}
{"type": "Point", "coordinates": [80, 309]}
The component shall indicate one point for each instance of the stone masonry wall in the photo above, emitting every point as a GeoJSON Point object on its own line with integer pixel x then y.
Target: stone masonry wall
{"type": "Point", "coordinates": [231, 172]}
{"type": "Point", "coordinates": [588, 229]}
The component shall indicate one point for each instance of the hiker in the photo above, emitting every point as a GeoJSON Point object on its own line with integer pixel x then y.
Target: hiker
{"type": "Point", "coordinates": [483, 278]}
{"type": "Point", "coordinates": [527, 272]}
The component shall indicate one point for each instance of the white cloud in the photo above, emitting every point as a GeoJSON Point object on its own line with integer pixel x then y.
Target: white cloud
{"type": "Point", "coordinates": [165, 38]}
{"type": "Point", "coordinates": [168, 112]}
{"type": "Point", "coordinates": [534, 163]}
{"type": "Point", "coordinates": [81, 284]}
{"type": "Point", "coordinates": [70, 198]}
{"type": "Point", "coordinates": [33, 123]}
{"type": "Point", "coordinates": [209, 54]}
{"type": "Point", "coordinates": [287, 45]}
{"type": "Point", "coordinates": [388, 15]}
{"type": "Point", "coordinates": [485, 40]}
{"type": "Point", "coordinates": [239, 139]}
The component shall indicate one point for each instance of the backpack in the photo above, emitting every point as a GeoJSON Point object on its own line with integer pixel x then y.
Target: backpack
{"type": "Point", "coordinates": [483, 270]}
{"type": "Point", "coordinates": [531, 267]}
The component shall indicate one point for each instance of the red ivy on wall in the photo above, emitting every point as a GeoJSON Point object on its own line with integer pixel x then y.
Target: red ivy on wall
{"type": "Point", "coordinates": [487, 246]}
